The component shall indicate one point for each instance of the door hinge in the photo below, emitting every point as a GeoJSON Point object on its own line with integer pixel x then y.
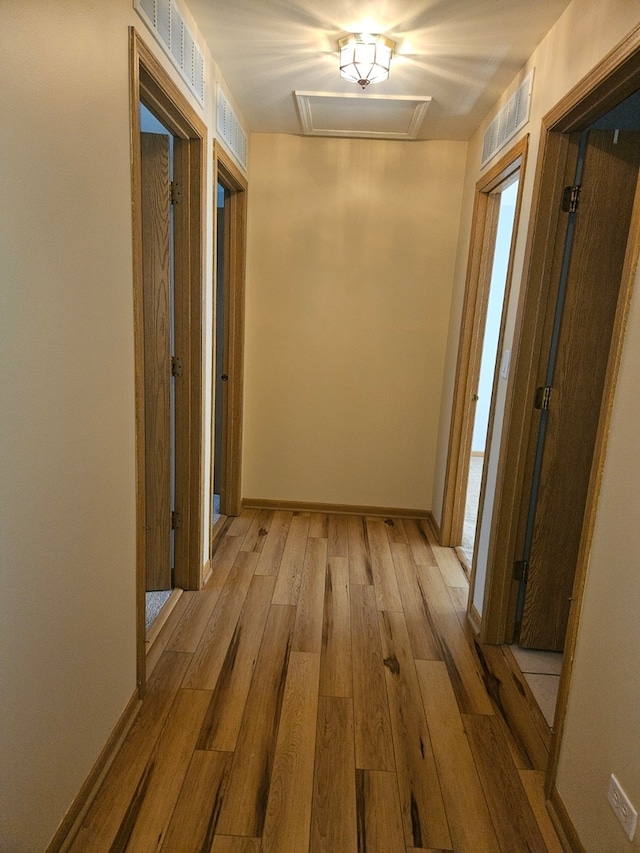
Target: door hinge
{"type": "Point", "coordinates": [175, 192]}
{"type": "Point", "coordinates": [176, 520]}
{"type": "Point", "coordinates": [570, 198]}
{"type": "Point", "coordinates": [521, 570]}
{"type": "Point", "coordinates": [176, 366]}
{"type": "Point", "coordinates": [543, 396]}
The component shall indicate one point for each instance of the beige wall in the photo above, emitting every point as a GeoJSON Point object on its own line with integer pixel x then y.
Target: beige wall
{"type": "Point", "coordinates": [67, 468]}
{"type": "Point", "coordinates": [602, 734]}
{"type": "Point", "coordinates": [350, 266]}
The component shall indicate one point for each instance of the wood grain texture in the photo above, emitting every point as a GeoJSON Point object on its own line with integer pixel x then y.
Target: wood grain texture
{"type": "Point", "coordinates": [423, 815]}
{"type": "Point", "coordinates": [513, 818]}
{"type": "Point", "coordinates": [265, 761]}
{"type": "Point", "coordinates": [359, 553]}
{"type": "Point", "coordinates": [333, 823]}
{"type": "Point", "coordinates": [222, 723]}
{"type": "Point", "coordinates": [335, 661]}
{"type": "Point", "coordinates": [288, 817]}
{"type": "Point", "coordinates": [466, 808]}
{"type": "Point", "coordinates": [292, 562]}
{"type": "Point", "coordinates": [245, 806]}
{"type": "Point", "coordinates": [384, 577]}
{"type": "Point", "coordinates": [209, 657]}
{"type": "Point", "coordinates": [374, 745]}
{"type": "Point", "coordinates": [378, 812]}
{"type": "Point", "coordinates": [414, 601]}
{"type": "Point", "coordinates": [273, 548]}
{"type": "Point", "coordinates": [307, 634]}
{"type": "Point", "coordinates": [194, 821]}
{"type": "Point", "coordinates": [159, 787]}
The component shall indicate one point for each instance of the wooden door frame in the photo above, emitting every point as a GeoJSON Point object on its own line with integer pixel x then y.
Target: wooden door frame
{"type": "Point", "coordinates": [230, 176]}
{"type": "Point", "coordinates": [615, 78]}
{"type": "Point", "coordinates": [476, 299]}
{"type": "Point", "coordinates": [151, 85]}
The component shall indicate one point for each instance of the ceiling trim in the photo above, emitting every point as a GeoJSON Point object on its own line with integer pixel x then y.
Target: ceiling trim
{"type": "Point", "coordinates": [311, 126]}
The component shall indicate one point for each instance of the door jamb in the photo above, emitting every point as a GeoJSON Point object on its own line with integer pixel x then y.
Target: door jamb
{"type": "Point", "coordinates": [227, 173]}
{"type": "Point", "coordinates": [150, 84]}
{"type": "Point", "coordinates": [479, 267]}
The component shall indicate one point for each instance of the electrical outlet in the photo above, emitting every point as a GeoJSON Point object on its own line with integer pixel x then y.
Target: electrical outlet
{"type": "Point", "coordinates": [621, 804]}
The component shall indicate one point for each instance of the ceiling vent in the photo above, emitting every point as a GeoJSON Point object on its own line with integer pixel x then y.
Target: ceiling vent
{"type": "Point", "coordinates": [230, 129]}
{"type": "Point", "coordinates": [513, 116]}
{"type": "Point", "coordinates": [165, 21]}
{"type": "Point", "coordinates": [361, 116]}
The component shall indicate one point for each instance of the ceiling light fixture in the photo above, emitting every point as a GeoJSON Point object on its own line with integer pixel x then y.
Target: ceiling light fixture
{"type": "Point", "coordinates": [365, 58]}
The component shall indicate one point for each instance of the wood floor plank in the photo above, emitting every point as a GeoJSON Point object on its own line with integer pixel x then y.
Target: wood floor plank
{"type": "Point", "coordinates": [335, 661]}
{"type": "Point", "coordinates": [414, 601]}
{"type": "Point", "coordinates": [231, 844]}
{"type": "Point", "coordinates": [257, 533]}
{"type": "Point", "coordinates": [274, 542]}
{"type": "Point", "coordinates": [396, 533]}
{"type": "Point", "coordinates": [455, 649]}
{"type": "Point", "coordinates": [373, 739]}
{"type": "Point", "coordinates": [264, 747]}
{"type": "Point", "coordinates": [319, 525]}
{"type": "Point", "coordinates": [509, 695]}
{"type": "Point", "coordinates": [338, 536]}
{"type": "Point", "coordinates": [533, 783]}
{"type": "Point", "coordinates": [419, 543]}
{"type": "Point", "coordinates": [359, 554]}
{"type": "Point", "coordinates": [245, 804]}
{"type": "Point", "coordinates": [193, 823]}
{"type": "Point", "coordinates": [378, 812]}
{"type": "Point", "coordinates": [152, 806]}
{"type": "Point", "coordinates": [466, 808]}
{"type": "Point", "coordinates": [216, 637]}
{"type": "Point", "coordinates": [288, 818]}
{"type": "Point", "coordinates": [423, 814]}
{"type": "Point", "coordinates": [384, 576]}
{"type": "Point", "coordinates": [188, 633]}
{"type": "Point", "coordinates": [159, 645]}
{"type": "Point", "coordinates": [292, 562]}
{"type": "Point", "coordinates": [333, 821]}
{"type": "Point", "coordinates": [307, 634]}
{"type": "Point", "coordinates": [108, 809]}
{"type": "Point", "coordinates": [221, 726]}
{"type": "Point", "coordinates": [241, 524]}
{"type": "Point", "coordinates": [449, 565]}
{"type": "Point", "coordinates": [512, 815]}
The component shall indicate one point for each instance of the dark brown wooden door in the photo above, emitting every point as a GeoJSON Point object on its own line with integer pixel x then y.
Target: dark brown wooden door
{"type": "Point", "coordinates": [156, 265]}
{"type": "Point", "coordinates": [608, 183]}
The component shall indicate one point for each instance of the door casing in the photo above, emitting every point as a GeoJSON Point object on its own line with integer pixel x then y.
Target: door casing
{"type": "Point", "coordinates": [230, 176]}
{"type": "Point", "coordinates": [150, 85]}
{"type": "Point", "coordinates": [479, 269]}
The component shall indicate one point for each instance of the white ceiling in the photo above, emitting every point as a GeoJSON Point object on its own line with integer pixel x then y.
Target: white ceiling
{"type": "Point", "coordinates": [461, 53]}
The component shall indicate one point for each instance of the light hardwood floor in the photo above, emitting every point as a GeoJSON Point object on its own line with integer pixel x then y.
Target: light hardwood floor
{"type": "Point", "coordinates": [323, 693]}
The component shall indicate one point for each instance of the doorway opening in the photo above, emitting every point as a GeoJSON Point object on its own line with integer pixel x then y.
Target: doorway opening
{"type": "Point", "coordinates": [168, 192]}
{"type": "Point", "coordinates": [506, 195]}
{"type": "Point", "coordinates": [600, 274]}
{"type": "Point", "coordinates": [228, 356]}
{"type": "Point", "coordinates": [468, 494]}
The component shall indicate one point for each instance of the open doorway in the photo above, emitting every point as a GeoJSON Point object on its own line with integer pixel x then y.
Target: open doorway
{"type": "Point", "coordinates": [495, 218]}
{"type": "Point", "coordinates": [168, 505]}
{"type": "Point", "coordinates": [506, 196]}
{"type": "Point", "coordinates": [156, 181]}
{"type": "Point", "coordinates": [228, 362]}
{"type": "Point", "coordinates": [606, 197]}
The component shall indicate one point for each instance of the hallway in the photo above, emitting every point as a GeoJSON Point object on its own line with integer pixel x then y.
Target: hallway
{"type": "Point", "coordinates": [323, 693]}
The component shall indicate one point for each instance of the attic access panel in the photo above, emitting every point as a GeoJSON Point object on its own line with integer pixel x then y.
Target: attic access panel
{"type": "Point", "coordinates": [361, 115]}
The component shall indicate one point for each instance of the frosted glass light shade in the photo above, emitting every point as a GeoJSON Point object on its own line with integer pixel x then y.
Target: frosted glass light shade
{"type": "Point", "coordinates": [365, 58]}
